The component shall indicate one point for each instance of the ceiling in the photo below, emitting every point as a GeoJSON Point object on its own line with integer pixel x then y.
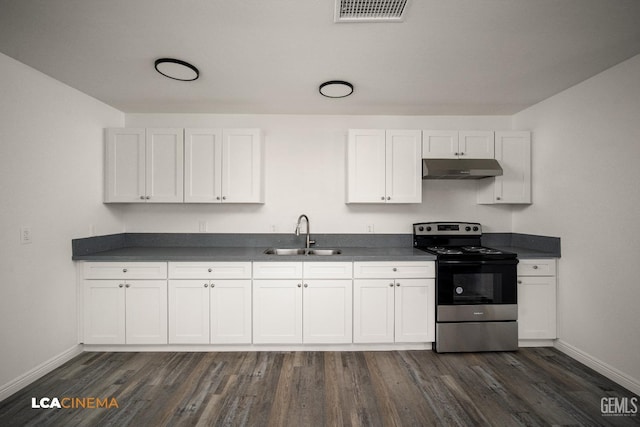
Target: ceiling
{"type": "Point", "coordinates": [454, 57]}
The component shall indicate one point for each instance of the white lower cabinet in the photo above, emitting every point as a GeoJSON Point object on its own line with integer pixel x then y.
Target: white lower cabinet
{"type": "Point", "coordinates": [125, 303]}
{"type": "Point", "coordinates": [396, 306]}
{"type": "Point", "coordinates": [310, 302]}
{"type": "Point", "coordinates": [125, 311]}
{"type": "Point", "coordinates": [276, 302]}
{"type": "Point", "coordinates": [214, 309]}
{"type": "Point", "coordinates": [537, 299]}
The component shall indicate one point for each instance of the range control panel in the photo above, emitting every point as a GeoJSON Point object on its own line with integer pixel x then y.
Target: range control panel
{"type": "Point", "coordinates": [447, 229]}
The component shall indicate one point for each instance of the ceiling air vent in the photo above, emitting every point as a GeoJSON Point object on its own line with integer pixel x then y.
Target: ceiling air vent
{"type": "Point", "coordinates": [370, 10]}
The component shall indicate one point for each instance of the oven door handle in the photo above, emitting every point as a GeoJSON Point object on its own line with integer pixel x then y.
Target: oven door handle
{"type": "Point", "coordinates": [479, 262]}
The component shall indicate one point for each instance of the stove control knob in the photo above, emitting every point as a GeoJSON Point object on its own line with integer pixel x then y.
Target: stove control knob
{"type": "Point", "coordinates": [428, 228]}
{"type": "Point", "coordinates": [467, 228]}
{"type": "Point", "coordinates": [421, 228]}
{"type": "Point", "coordinates": [475, 228]}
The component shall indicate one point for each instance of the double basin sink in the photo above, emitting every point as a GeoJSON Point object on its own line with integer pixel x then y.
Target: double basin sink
{"type": "Point", "coordinates": [302, 251]}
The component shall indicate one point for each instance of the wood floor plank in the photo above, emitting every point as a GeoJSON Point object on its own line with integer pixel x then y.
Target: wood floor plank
{"type": "Point", "coordinates": [537, 386]}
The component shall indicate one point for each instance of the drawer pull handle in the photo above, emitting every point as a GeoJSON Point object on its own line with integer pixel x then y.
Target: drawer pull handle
{"type": "Point", "coordinates": [124, 270]}
{"type": "Point", "coordinates": [206, 285]}
{"type": "Point", "coordinates": [127, 285]}
{"type": "Point", "coordinates": [210, 270]}
{"type": "Point", "coordinates": [395, 269]}
{"type": "Point", "coordinates": [299, 285]}
{"type": "Point", "coordinates": [120, 285]}
{"type": "Point", "coordinates": [391, 285]}
{"type": "Point", "coordinates": [535, 267]}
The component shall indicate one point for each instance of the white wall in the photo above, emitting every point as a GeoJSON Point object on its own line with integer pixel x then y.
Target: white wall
{"type": "Point", "coordinates": [586, 164]}
{"type": "Point", "coordinates": [305, 173]}
{"type": "Point", "coordinates": [50, 180]}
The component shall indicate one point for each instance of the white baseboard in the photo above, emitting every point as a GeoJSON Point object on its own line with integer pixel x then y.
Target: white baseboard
{"type": "Point", "coordinates": [536, 343]}
{"type": "Point", "coordinates": [631, 384]}
{"type": "Point", "coordinates": [39, 371]}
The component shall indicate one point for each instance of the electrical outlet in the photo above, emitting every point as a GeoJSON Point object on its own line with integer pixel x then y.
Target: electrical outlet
{"type": "Point", "coordinates": [25, 235]}
{"type": "Point", "coordinates": [202, 226]}
{"type": "Point", "coordinates": [370, 228]}
{"type": "Point", "coordinates": [273, 228]}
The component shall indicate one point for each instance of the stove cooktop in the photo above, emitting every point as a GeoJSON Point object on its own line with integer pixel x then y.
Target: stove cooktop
{"type": "Point", "coordinates": [455, 241]}
{"type": "Point", "coordinates": [467, 252]}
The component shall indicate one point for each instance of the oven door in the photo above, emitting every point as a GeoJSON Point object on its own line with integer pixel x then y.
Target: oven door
{"type": "Point", "coordinates": [477, 290]}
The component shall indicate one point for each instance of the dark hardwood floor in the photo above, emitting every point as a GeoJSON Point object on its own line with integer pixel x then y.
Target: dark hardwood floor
{"type": "Point", "coordinates": [533, 386]}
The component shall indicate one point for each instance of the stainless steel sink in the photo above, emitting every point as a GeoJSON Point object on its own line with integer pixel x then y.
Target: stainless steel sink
{"type": "Point", "coordinates": [325, 251]}
{"type": "Point", "coordinates": [302, 251]}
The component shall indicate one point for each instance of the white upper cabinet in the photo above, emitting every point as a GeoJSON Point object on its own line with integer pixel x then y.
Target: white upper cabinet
{"type": "Point", "coordinates": [513, 152]}
{"type": "Point", "coordinates": [203, 165]}
{"type": "Point", "coordinates": [242, 166]}
{"type": "Point", "coordinates": [384, 166]}
{"type": "Point", "coordinates": [444, 144]}
{"type": "Point", "coordinates": [125, 165]}
{"type": "Point", "coordinates": [144, 166]}
{"type": "Point", "coordinates": [223, 166]}
{"type": "Point", "coordinates": [184, 165]}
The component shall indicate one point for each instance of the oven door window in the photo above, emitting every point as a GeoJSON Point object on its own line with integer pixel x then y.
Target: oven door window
{"type": "Point", "coordinates": [463, 284]}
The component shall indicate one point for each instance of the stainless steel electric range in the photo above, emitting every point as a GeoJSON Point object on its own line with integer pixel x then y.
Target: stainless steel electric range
{"type": "Point", "coordinates": [476, 288]}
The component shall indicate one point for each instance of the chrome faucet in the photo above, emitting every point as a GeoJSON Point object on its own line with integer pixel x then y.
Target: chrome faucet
{"type": "Point", "coordinates": [309, 242]}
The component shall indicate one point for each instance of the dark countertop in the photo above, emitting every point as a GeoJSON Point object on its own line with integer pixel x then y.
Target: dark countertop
{"type": "Point", "coordinates": [129, 247]}
{"type": "Point", "coordinates": [251, 254]}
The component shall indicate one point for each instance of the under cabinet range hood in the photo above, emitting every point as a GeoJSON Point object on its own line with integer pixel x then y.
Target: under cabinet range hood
{"type": "Point", "coordinates": [460, 168]}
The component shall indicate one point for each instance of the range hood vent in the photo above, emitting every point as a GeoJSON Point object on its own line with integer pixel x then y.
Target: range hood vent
{"type": "Point", "coordinates": [460, 168]}
{"type": "Point", "coordinates": [370, 10]}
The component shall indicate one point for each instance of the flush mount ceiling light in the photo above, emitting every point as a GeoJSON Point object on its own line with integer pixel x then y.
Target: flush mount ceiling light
{"type": "Point", "coordinates": [177, 69]}
{"type": "Point", "coordinates": [336, 89]}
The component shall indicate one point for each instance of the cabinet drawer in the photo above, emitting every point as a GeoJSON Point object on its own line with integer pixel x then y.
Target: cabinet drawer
{"type": "Point", "coordinates": [210, 270]}
{"type": "Point", "coordinates": [537, 267]}
{"type": "Point", "coordinates": [394, 270]}
{"type": "Point", "coordinates": [277, 270]}
{"type": "Point", "coordinates": [125, 270]}
{"type": "Point", "coordinates": [327, 270]}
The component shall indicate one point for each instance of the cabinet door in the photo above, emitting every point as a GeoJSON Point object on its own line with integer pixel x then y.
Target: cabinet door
{"type": "Point", "coordinates": [537, 307]}
{"type": "Point", "coordinates": [104, 312]}
{"type": "Point", "coordinates": [188, 312]}
{"type": "Point", "coordinates": [476, 144]}
{"type": "Point", "coordinates": [440, 144]}
{"type": "Point", "coordinates": [414, 310]}
{"type": "Point", "coordinates": [373, 311]}
{"type": "Point", "coordinates": [394, 269]}
{"type": "Point", "coordinates": [242, 166]}
{"type": "Point", "coordinates": [164, 165]}
{"type": "Point", "coordinates": [366, 163]}
{"type": "Point", "coordinates": [124, 270]}
{"type": "Point", "coordinates": [403, 166]}
{"type": "Point", "coordinates": [277, 312]}
{"type": "Point", "coordinates": [203, 166]}
{"type": "Point", "coordinates": [513, 152]}
{"type": "Point", "coordinates": [277, 270]}
{"type": "Point", "coordinates": [146, 311]}
{"type": "Point", "coordinates": [210, 270]}
{"type": "Point", "coordinates": [230, 311]}
{"type": "Point", "coordinates": [125, 166]}
{"type": "Point", "coordinates": [327, 311]}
